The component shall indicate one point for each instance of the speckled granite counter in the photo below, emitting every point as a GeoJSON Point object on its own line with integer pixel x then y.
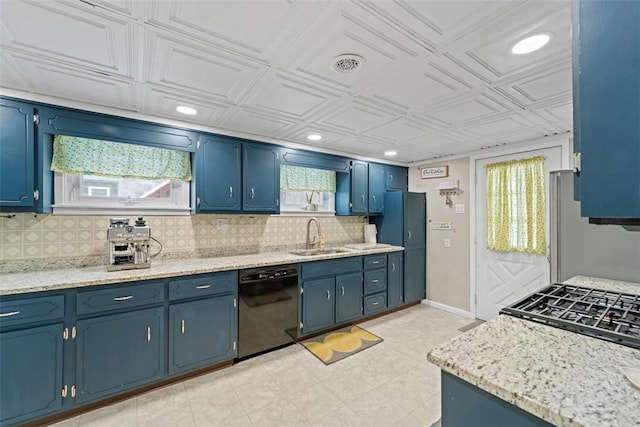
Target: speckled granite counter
{"type": "Point", "coordinates": [563, 377]}
{"type": "Point", "coordinates": [16, 283]}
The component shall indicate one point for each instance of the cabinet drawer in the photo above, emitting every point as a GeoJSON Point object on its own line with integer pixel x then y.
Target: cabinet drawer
{"type": "Point", "coordinates": [29, 310]}
{"type": "Point", "coordinates": [375, 261]}
{"type": "Point", "coordinates": [375, 303]}
{"type": "Point", "coordinates": [375, 281]}
{"type": "Point", "coordinates": [202, 285]}
{"type": "Point", "coordinates": [133, 295]}
{"type": "Point", "coordinates": [331, 267]}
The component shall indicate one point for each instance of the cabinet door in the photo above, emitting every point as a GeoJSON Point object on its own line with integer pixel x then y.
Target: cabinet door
{"type": "Point", "coordinates": [397, 178]}
{"type": "Point", "coordinates": [414, 274]}
{"type": "Point", "coordinates": [318, 304]}
{"type": "Point", "coordinates": [17, 156]}
{"type": "Point", "coordinates": [261, 178]}
{"type": "Point", "coordinates": [202, 333]}
{"type": "Point", "coordinates": [219, 174]}
{"type": "Point", "coordinates": [348, 297]}
{"type": "Point", "coordinates": [30, 373]}
{"type": "Point", "coordinates": [376, 188]}
{"type": "Point", "coordinates": [359, 187]}
{"type": "Point", "coordinates": [395, 279]}
{"type": "Point", "coordinates": [119, 352]}
{"type": "Point", "coordinates": [415, 220]}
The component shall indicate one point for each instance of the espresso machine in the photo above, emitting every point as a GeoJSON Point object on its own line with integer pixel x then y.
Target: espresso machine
{"type": "Point", "coordinates": [128, 244]}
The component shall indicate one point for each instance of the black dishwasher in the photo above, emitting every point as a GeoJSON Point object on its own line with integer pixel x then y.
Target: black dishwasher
{"type": "Point", "coordinates": [268, 309]}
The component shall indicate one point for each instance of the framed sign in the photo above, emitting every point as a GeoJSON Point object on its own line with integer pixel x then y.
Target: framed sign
{"type": "Point", "coordinates": [435, 172]}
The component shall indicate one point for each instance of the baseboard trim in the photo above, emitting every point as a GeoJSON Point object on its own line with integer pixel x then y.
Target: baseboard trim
{"type": "Point", "coordinates": [448, 308]}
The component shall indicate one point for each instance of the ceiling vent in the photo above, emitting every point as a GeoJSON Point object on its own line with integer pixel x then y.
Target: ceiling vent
{"type": "Point", "coordinates": [347, 63]}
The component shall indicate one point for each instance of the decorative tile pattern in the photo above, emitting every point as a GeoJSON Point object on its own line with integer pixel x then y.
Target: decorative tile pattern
{"type": "Point", "coordinates": [28, 237]}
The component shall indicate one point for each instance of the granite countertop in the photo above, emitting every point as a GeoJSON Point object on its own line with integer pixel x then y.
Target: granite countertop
{"type": "Point", "coordinates": [36, 281]}
{"type": "Point", "coordinates": [565, 378]}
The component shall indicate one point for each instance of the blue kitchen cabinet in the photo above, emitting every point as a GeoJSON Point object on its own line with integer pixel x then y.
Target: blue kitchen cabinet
{"type": "Point", "coordinates": [376, 189]}
{"type": "Point", "coordinates": [606, 99]}
{"type": "Point", "coordinates": [119, 352]}
{"type": "Point", "coordinates": [17, 156]}
{"type": "Point", "coordinates": [31, 357]}
{"type": "Point", "coordinates": [219, 172]}
{"type": "Point", "coordinates": [404, 224]}
{"type": "Point", "coordinates": [395, 279]}
{"type": "Point", "coordinates": [30, 373]}
{"type": "Point", "coordinates": [318, 306]}
{"type": "Point", "coordinates": [315, 160]}
{"type": "Point", "coordinates": [397, 178]}
{"type": "Point", "coordinates": [260, 178]}
{"type": "Point", "coordinates": [348, 297]}
{"type": "Point", "coordinates": [202, 331]}
{"type": "Point", "coordinates": [375, 284]}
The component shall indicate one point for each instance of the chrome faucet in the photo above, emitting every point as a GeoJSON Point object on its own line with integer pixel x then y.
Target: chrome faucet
{"type": "Point", "coordinates": [309, 242]}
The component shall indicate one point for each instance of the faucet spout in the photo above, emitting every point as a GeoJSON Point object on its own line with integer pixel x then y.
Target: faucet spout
{"type": "Point", "coordinates": [309, 242]}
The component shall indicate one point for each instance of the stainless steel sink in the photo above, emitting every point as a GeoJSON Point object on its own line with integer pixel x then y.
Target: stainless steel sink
{"type": "Point", "coordinates": [312, 252]}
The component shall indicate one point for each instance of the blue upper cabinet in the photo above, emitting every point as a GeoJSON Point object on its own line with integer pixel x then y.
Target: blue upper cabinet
{"type": "Point", "coordinates": [218, 170]}
{"type": "Point", "coordinates": [260, 178]}
{"type": "Point", "coordinates": [62, 121]}
{"type": "Point", "coordinates": [377, 188]}
{"type": "Point", "coordinates": [361, 192]}
{"type": "Point", "coordinates": [359, 187]}
{"type": "Point", "coordinates": [397, 178]}
{"type": "Point", "coordinates": [606, 67]}
{"type": "Point", "coordinates": [310, 159]}
{"type": "Point", "coordinates": [17, 156]}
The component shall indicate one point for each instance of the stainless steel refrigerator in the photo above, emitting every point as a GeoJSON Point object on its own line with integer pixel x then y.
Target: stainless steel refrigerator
{"type": "Point", "coordinates": [580, 248]}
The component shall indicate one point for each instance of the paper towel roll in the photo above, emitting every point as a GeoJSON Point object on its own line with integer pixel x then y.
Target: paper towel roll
{"type": "Point", "coordinates": [370, 232]}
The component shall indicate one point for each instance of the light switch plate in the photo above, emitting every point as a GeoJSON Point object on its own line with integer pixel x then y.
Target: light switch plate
{"type": "Point", "coordinates": [459, 208]}
{"type": "Point", "coordinates": [447, 243]}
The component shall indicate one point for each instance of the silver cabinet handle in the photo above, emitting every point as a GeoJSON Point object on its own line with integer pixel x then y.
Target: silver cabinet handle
{"type": "Point", "coordinates": [203, 287]}
{"type": "Point", "coordinates": [328, 295]}
{"type": "Point", "coordinates": [182, 326]}
{"type": "Point", "coordinates": [342, 291]}
{"type": "Point", "coordinates": [374, 199]}
{"type": "Point", "coordinates": [362, 198]}
{"type": "Point", "coordinates": [375, 281]}
{"type": "Point", "coordinates": [375, 262]}
{"type": "Point", "coordinates": [393, 266]}
{"type": "Point", "coordinates": [230, 192]}
{"type": "Point", "coordinates": [149, 333]}
{"type": "Point", "coordinates": [409, 233]}
{"type": "Point", "coordinates": [11, 313]}
{"type": "Point", "coordinates": [375, 303]}
{"type": "Point", "coordinates": [390, 177]}
{"type": "Point", "coordinates": [128, 297]}
{"type": "Point", "coordinates": [252, 193]}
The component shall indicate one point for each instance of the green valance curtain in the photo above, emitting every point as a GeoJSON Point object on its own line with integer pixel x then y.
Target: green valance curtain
{"type": "Point", "coordinates": [79, 156]}
{"type": "Point", "coordinates": [306, 179]}
{"type": "Point", "coordinates": [516, 206]}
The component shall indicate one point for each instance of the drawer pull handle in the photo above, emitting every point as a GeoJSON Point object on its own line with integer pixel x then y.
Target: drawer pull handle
{"type": "Point", "coordinates": [375, 303]}
{"type": "Point", "coordinates": [203, 287]}
{"type": "Point", "coordinates": [128, 297]}
{"type": "Point", "coordinates": [328, 295]}
{"type": "Point", "coordinates": [375, 281]}
{"type": "Point", "coordinates": [182, 326]}
{"type": "Point", "coordinates": [149, 333]}
{"type": "Point", "coordinates": [342, 290]}
{"type": "Point", "coordinates": [11, 313]}
{"type": "Point", "coordinates": [375, 262]}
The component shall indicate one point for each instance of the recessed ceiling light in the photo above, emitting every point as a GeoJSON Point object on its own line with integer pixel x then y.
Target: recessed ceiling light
{"type": "Point", "coordinates": [390, 153]}
{"type": "Point", "coordinates": [186, 110]}
{"type": "Point", "coordinates": [314, 137]}
{"type": "Point", "coordinates": [530, 44]}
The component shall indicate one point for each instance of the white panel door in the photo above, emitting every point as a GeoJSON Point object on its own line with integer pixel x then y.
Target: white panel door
{"type": "Point", "coordinates": [504, 277]}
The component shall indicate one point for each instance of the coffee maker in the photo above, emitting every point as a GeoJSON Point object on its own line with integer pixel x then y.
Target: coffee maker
{"type": "Point", "coordinates": [128, 244]}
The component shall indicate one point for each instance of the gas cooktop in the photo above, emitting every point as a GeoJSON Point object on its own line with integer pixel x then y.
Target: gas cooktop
{"type": "Point", "coordinates": [611, 316]}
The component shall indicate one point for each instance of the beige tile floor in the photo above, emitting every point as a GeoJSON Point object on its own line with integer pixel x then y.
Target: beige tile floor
{"type": "Point", "coordinates": [389, 384]}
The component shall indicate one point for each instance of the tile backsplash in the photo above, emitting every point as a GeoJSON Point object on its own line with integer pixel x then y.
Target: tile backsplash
{"type": "Point", "coordinates": [82, 239]}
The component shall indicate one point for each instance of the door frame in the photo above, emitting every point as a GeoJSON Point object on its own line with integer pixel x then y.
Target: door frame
{"type": "Point", "coordinates": [566, 148]}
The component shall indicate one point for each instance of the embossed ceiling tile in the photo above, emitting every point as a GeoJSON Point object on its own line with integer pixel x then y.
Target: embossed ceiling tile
{"type": "Point", "coordinates": [486, 52]}
{"type": "Point", "coordinates": [402, 129]}
{"type": "Point", "coordinates": [357, 117]}
{"type": "Point", "coordinates": [158, 101]}
{"type": "Point", "coordinates": [107, 41]}
{"type": "Point", "coordinates": [561, 115]}
{"type": "Point", "coordinates": [542, 86]}
{"type": "Point", "coordinates": [299, 134]}
{"type": "Point", "coordinates": [125, 7]}
{"type": "Point", "coordinates": [472, 108]}
{"type": "Point", "coordinates": [54, 79]}
{"type": "Point", "coordinates": [256, 122]}
{"type": "Point", "coordinates": [255, 29]}
{"type": "Point", "coordinates": [197, 68]}
{"type": "Point", "coordinates": [502, 125]}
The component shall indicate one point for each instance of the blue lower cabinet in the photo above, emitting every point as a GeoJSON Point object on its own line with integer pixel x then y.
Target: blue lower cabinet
{"type": "Point", "coordinates": [395, 279]}
{"type": "Point", "coordinates": [415, 274]}
{"type": "Point", "coordinates": [348, 297]}
{"type": "Point", "coordinates": [31, 373]}
{"type": "Point", "coordinates": [202, 333]}
{"type": "Point", "coordinates": [318, 305]}
{"type": "Point", "coordinates": [119, 352]}
{"type": "Point", "coordinates": [375, 303]}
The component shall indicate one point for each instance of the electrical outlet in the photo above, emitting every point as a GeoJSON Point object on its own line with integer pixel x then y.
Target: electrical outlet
{"type": "Point", "coordinates": [447, 243]}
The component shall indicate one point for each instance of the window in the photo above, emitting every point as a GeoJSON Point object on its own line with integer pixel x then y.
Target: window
{"type": "Point", "coordinates": [305, 190]}
{"type": "Point", "coordinates": [516, 206]}
{"type": "Point", "coordinates": [94, 176]}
